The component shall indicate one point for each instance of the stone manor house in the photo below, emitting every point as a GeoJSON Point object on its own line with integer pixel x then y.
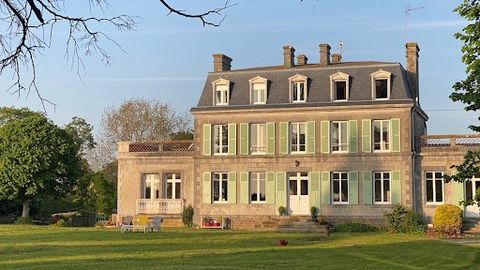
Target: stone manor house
{"type": "Point", "coordinates": [349, 138]}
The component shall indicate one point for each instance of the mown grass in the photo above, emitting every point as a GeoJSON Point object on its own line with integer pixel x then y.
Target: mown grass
{"type": "Point", "coordinates": [35, 247]}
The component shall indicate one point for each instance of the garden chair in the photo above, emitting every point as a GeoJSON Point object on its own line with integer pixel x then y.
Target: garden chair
{"type": "Point", "coordinates": [155, 225]}
{"type": "Point", "coordinates": [126, 224]}
{"type": "Point", "coordinates": [140, 223]}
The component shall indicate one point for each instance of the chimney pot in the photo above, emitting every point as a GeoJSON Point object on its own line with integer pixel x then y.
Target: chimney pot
{"type": "Point", "coordinates": [412, 50]}
{"type": "Point", "coordinates": [324, 54]}
{"type": "Point", "coordinates": [288, 56]}
{"type": "Point", "coordinates": [336, 58]}
{"type": "Point", "coordinates": [221, 62]}
{"type": "Point", "coordinates": [302, 59]}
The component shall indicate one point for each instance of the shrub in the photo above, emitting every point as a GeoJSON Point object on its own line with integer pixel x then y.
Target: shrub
{"type": "Point", "coordinates": [448, 216]}
{"type": "Point", "coordinates": [187, 216]}
{"type": "Point", "coordinates": [351, 227]}
{"type": "Point", "coordinates": [403, 220]}
{"type": "Point", "coordinates": [61, 222]}
{"type": "Point", "coordinates": [282, 211]}
{"type": "Point", "coordinates": [22, 220]}
{"type": "Point", "coordinates": [313, 211]}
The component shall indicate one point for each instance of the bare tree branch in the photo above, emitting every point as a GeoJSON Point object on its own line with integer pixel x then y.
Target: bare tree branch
{"type": "Point", "coordinates": [203, 17]}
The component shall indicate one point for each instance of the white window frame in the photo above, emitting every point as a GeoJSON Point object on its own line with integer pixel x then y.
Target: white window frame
{"type": "Point", "coordinates": [381, 75]}
{"type": "Point", "coordinates": [260, 182]}
{"type": "Point", "coordinates": [389, 136]}
{"type": "Point", "coordinates": [223, 180]}
{"type": "Point", "coordinates": [339, 77]}
{"type": "Point", "coordinates": [340, 179]}
{"type": "Point", "coordinates": [258, 81]}
{"type": "Point", "coordinates": [225, 93]}
{"type": "Point", "coordinates": [154, 180]}
{"type": "Point", "coordinates": [220, 145]}
{"type": "Point", "coordinates": [176, 178]}
{"type": "Point", "coordinates": [382, 183]}
{"type": "Point", "coordinates": [296, 126]}
{"type": "Point", "coordinates": [340, 144]}
{"type": "Point", "coordinates": [259, 136]}
{"type": "Point", "coordinates": [297, 79]}
{"type": "Point", "coordinates": [434, 187]}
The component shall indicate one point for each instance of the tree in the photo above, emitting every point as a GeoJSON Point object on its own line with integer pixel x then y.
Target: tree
{"type": "Point", "coordinates": [36, 157]}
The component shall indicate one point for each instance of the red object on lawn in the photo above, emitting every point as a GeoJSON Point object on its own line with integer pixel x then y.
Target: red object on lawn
{"type": "Point", "coordinates": [281, 243]}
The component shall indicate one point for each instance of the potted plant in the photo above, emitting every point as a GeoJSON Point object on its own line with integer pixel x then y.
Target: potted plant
{"type": "Point", "coordinates": [313, 213]}
{"type": "Point", "coordinates": [282, 211]}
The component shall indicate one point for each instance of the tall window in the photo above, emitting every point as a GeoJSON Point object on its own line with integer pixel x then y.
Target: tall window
{"type": "Point", "coordinates": [381, 135]}
{"type": "Point", "coordinates": [340, 187]}
{"type": "Point", "coordinates": [299, 92]}
{"type": "Point", "coordinates": [259, 93]}
{"type": "Point", "coordinates": [340, 90]}
{"type": "Point", "coordinates": [297, 135]}
{"type": "Point", "coordinates": [173, 183]}
{"type": "Point", "coordinates": [381, 84]}
{"type": "Point", "coordinates": [151, 186]}
{"type": "Point", "coordinates": [257, 187]}
{"type": "Point", "coordinates": [381, 88]}
{"type": "Point", "coordinates": [339, 136]}
{"type": "Point", "coordinates": [434, 181]}
{"type": "Point", "coordinates": [382, 187]}
{"type": "Point", "coordinates": [258, 138]}
{"type": "Point", "coordinates": [221, 94]}
{"type": "Point", "coordinates": [220, 139]}
{"type": "Point", "coordinates": [220, 187]}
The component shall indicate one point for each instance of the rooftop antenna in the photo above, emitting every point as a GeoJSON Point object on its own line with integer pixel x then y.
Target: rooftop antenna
{"type": "Point", "coordinates": [340, 47]}
{"type": "Point", "coordinates": [408, 11]}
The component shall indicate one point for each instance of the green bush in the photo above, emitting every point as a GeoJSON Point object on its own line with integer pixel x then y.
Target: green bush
{"type": "Point", "coordinates": [403, 220]}
{"type": "Point", "coordinates": [187, 216]}
{"type": "Point", "coordinates": [282, 211]}
{"type": "Point", "coordinates": [351, 227]}
{"type": "Point", "coordinates": [61, 222]}
{"type": "Point", "coordinates": [22, 220]}
{"type": "Point", "coordinates": [448, 216]}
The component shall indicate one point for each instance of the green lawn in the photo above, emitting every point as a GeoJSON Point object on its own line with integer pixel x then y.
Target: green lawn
{"type": "Point", "coordinates": [36, 247]}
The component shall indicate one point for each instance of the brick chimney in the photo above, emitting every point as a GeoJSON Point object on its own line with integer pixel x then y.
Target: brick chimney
{"type": "Point", "coordinates": [221, 62]}
{"type": "Point", "coordinates": [336, 58]}
{"type": "Point", "coordinates": [324, 54]}
{"type": "Point", "coordinates": [302, 59]}
{"type": "Point", "coordinates": [412, 50]}
{"type": "Point", "coordinates": [288, 56]}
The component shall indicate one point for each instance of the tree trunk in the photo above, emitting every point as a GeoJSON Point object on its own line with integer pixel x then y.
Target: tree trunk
{"type": "Point", "coordinates": [26, 209]}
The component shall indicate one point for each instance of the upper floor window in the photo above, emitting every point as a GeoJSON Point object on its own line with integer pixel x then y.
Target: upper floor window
{"type": "Point", "coordinates": [220, 187]}
{"type": "Point", "coordinates": [339, 139]}
{"type": "Point", "coordinates": [434, 182]}
{"type": "Point", "coordinates": [298, 88]}
{"type": "Point", "coordinates": [340, 187]}
{"type": "Point", "coordinates": [339, 86]}
{"type": "Point", "coordinates": [151, 186]}
{"type": "Point", "coordinates": [220, 139]}
{"type": "Point", "coordinates": [258, 90]}
{"type": "Point", "coordinates": [258, 138]}
{"type": "Point", "coordinates": [381, 182]}
{"type": "Point", "coordinates": [381, 84]}
{"type": "Point", "coordinates": [221, 92]}
{"type": "Point", "coordinates": [381, 135]}
{"type": "Point", "coordinates": [173, 184]}
{"type": "Point", "coordinates": [257, 187]}
{"type": "Point", "coordinates": [297, 138]}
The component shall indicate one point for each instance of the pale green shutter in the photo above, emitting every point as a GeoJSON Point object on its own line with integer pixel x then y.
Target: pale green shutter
{"type": "Point", "coordinates": [232, 187]}
{"type": "Point", "coordinates": [457, 192]}
{"type": "Point", "coordinates": [325, 137]}
{"type": "Point", "coordinates": [367, 187]}
{"type": "Point", "coordinates": [314, 187]}
{"type": "Point", "coordinates": [353, 187]}
{"type": "Point", "coordinates": [281, 194]}
{"type": "Point", "coordinates": [396, 188]}
{"type": "Point", "coordinates": [244, 138]}
{"type": "Point", "coordinates": [207, 187]}
{"type": "Point", "coordinates": [310, 137]}
{"type": "Point", "coordinates": [325, 179]}
{"type": "Point", "coordinates": [271, 138]}
{"type": "Point", "coordinates": [232, 139]}
{"type": "Point", "coordinates": [395, 128]}
{"type": "Point", "coordinates": [353, 137]}
{"type": "Point", "coordinates": [207, 140]}
{"type": "Point", "coordinates": [270, 188]}
{"type": "Point", "coordinates": [244, 192]}
{"type": "Point", "coordinates": [366, 135]}
{"type": "Point", "coordinates": [283, 138]}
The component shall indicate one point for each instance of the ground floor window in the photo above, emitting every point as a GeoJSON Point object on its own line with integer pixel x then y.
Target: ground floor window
{"type": "Point", "coordinates": [340, 187]}
{"type": "Point", "coordinates": [434, 182]}
{"type": "Point", "coordinates": [381, 187]}
{"type": "Point", "coordinates": [257, 187]}
{"type": "Point", "coordinates": [173, 185]}
{"type": "Point", "coordinates": [151, 186]}
{"type": "Point", "coordinates": [220, 187]}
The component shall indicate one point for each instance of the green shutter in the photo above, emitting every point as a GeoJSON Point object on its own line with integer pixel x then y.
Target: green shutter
{"type": "Point", "coordinates": [232, 187]}
{"type": "Point", "coordinates": [244, 138]}
{"type": "Point", "coordinates": [396, 188]}
{"type": "Point", "coordinates": [207, 187]}
{"type": "Point", "coordinates": [353, 187]}
{"type": "Point", "coordinates": [207, 140]}
{"type": "Point", "coordinates": [232, 139]}
{"type": "Point", "coordinates": [283, 138]}
{"type": "Point", "coordinates": [325, 187]}
{"type": "Point", "coordinates": [281, 184]}
{"type": "Point", "coordinates": [271, 138]}
{"type": "Point", "coordinates": [457, 192]}
{"type": "Point", "coordinates": [314, 187]}
{"type": "Point", "coordinates": [366, 135]}
{"type": "Point", "coordinates": [270, 188]}
{"type": "Point", "coordinates": [353, 137]}
{"type": "Point", "coordinates": [310, 137]}
{"type": "Point", "coordinates": [367, 187]}
{"type": "Point", "coordinates": [244, 192]}
{"type": "Point", "coordinates": [395, 128]}
{"type": "Point", "coordinates": [325, 137]}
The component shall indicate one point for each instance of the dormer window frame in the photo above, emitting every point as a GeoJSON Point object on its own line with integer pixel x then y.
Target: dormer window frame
{"type": "Point", "coordinates": [255, 81]}
{"type": "Point", "coordinates": [225, 94]}
{"type": "Point", "coordinates": [339, 77]}
{"type": "Point", "coordinates": [297, 80]}
{"type": "Point", "coordinates": [381, 75]}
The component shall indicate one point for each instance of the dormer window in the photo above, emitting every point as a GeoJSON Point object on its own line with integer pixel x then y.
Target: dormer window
{"type": "Point", "coordinates": [339, 86]}
{"type": "Point", "coordinates": [258, 90]}
{"type": "Point", "coordinates": [298, 88]}
{"type": "Point", "coordinates": [381, 85]}
{"type": "Point", "coordinates": [221, 92]}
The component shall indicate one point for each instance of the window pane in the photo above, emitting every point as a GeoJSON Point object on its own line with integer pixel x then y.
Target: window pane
{"type": "Point", "coordinates": [429, 190]}
{"type": "Point", "coordinates": [429, 175]}
{"type": "Point", "coordinates": [224, 189]}
{"type": "Point", "coordinates": [344, 190]}
{"type": "Point", "coordinates": [302, 90]}
{"type": "Point", "coordinates": [335, 137]}
{"type": "Point", "coordinates": [378, 190]}
{"type": "Point", "coordinates": [294, 91]}
{"type": "Point", "coordinates": [336, 190]}
{"type": "Point", "coordinates": [381, 88]}
{"type": "Point", "coordinates": [438, 191]}
{"type": "Point", "coordinates": [293, 187]}
{"type": "Point", "coordinates": [385, 135]}
{"type": "Point", "coordinates": [438, 175]}
{"type": "Point", "coordinates": [468, 190]}
{"type": "Point", "coordinates": [262, 187]}
{"type": "Point", "coordinates": [340, 90]}
{"type": "Point", "coordinates": [169, 190]}
{"type": "Point", "coordinates": [253, 187]}
{"type": "Point", "coordinates": [253, 138]}
{"type": "Point", "coordinates": [303, 187]}
{"type": "Point", "coordinates": [376, 135]}
{"type": "Point", "coordinates": [386, 190]}
{"type": "Point", "coordinates": [344, 136]}
{"type": "Point", "coordinates": [294, 137]}
{"type": "Point", "coordinates": [216, 190]}
{"type": "Point", "coordinates": [148, 192]}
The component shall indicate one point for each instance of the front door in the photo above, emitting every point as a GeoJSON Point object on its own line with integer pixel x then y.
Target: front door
{"type": "Point", "coordinates": [298, 194]}
{"type": "Point", "coordinates": [471, 188]}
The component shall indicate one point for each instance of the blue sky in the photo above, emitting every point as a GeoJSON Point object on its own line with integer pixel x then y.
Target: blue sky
{"type": "Point", "coordinates": [168, 57]}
